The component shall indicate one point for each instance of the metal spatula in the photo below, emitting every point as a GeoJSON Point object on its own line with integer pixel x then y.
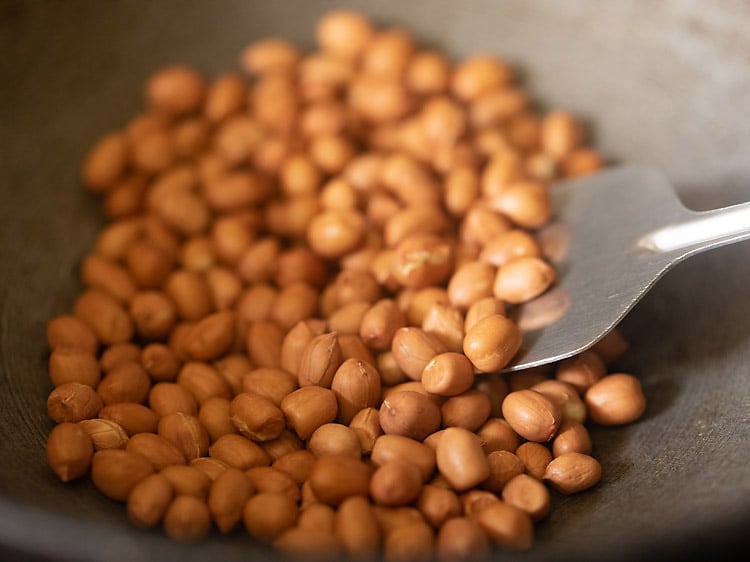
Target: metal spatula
{"type": "Point", "coordinates": [616, 233]}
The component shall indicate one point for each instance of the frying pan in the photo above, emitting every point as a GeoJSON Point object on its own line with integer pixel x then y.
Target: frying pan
{"type": "Point", "coordinates": [663, 83]}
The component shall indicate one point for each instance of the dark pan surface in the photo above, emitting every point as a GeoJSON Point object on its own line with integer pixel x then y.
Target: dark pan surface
{"type": "Point", "coordinates": [663, 83]}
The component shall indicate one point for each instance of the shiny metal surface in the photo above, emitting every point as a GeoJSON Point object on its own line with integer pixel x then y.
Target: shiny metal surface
{"type": "Point", "coordinates": [615, 234]}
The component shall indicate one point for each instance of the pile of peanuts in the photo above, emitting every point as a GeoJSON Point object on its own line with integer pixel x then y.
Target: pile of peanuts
{"type": "Point", "coordinates": [294, 321]}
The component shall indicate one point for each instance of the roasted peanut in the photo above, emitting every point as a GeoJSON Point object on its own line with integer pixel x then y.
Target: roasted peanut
{"type": "Point", "coordinates": [535, 458]}
{"type": "Point", "coordinates": [227, 497]}
{"type": "Point", "coordinates": [615, 399]}
{"type": "Point", "coordinates": [491, 342]}
{"type": "Point", "coordinates": [571, 473]}
{"type": "Point", "coordinates": [256, 417]}
{"type": "Point", "coordinates": [460, 458]}
{"type": "Point", "coordinates": [69, 451]}
{"type": "Point", "coordinates": [334, 478]}
{"type": "Point", "coordinates": [187, 519]}
{"type": "Point", "coordinates": [532, 415]}
{"type": "Point", "coordinates": [309, 407]}
{"type": "Point", "coordinates": [410, 414]}
{"type": "Point", "coordinates": [148, 501]}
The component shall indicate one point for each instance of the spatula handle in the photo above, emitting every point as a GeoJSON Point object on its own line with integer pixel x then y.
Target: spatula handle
{"type": "Point", "coordinates": [709, 229]}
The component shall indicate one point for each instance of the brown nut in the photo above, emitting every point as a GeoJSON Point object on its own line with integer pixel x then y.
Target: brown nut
{"type": "Point", "coordinates": [227, 497]}
{"type": "Point", "coordinates": [238, 452]}
{"type": "Point", "coordinates": [571, 473]}
{"type": "Point", "coordinates": [523, 279]}
{"type": "Point", "coordinates": [117, 354]}
{"type": "Point", "coordinates": [160, 362]}
{"type": "Point", "coordinates": [105, 316]}
{"type": "Point", "coordinates": [115, 472]}
{"type": "Point", "coordinates": [535, 458]}
{"type": "Point", "coordinates": [410, 414]}
{"type": "Point", "coordinates": [69, 451]}
{"type": "Point", "coordinates": [203, 381]}
{"type": "Point", "coordinates": [366, 424]}
{"type": "Point", "coordinates": [272, 384]}
{"type": "Point", "coordinates": [356, 385]}
{"type": "Point", "coordinates": [334, 439]}
{"type": "Point", "coordinates": [460, 538]}
{"type": "Point", "coordinates": [504, 466]}
{"type": "Point", "coordinates": [507, 526]}
{"type": "Point", "coordinates": [187, 480]}
{"type": "Point", "coordinates": [509, 245]}
{"type": "Point", "coordinates": [398, 447]}
{"type": "Point", "coordinates": [175, 90]}
{"type": "Point", "coordinates": [73, 402]}
{"type": "Point", "coordinates": [266, 479]}
{"type": "Point", "coordinates": [343, 33]}
{"type": "Point", "coordinates": [296, 464]}
{"type": "Point", "coordinates": [581, 370]}
{"type": "Point", "coordinates": [148, 501]}
{"type": "Point", "coordinates": [256, 417]}
{"type": "Point", "coordinates": [395, 483]}
{"type": "Point", "coordinates": [529, 495]}
{"type": "Point", "coordinates": [468, 410]}
{"type": "Point", "coordinates": [127, 382]}
{"type": "Point", "coordinates": [438, 504]}
{"type": "Point", "coordinates": [295, 341]}
{"type": "Point", "coordinates": [105, 162]}
{"type": "Point", "coordinates": [481, 309]}
{"type": "Point", "coordinates": [413, 349]}
{"type": "Point", "coordinates": [409, 542]}
{"type": "Point", "coordinates": [561, 134]}
{"type": "Point", "coordinates": [286, 442]}
{"type": "Point", "coordinates": [492, 342]}
{"type": "Point", "coordinates": [615, 399]}
{"type": "Point", "coordinates": [471, 282]}
{"type": "Point", "coordinates": [268, 515]}
{"type": "Point", "coordinates": [422, 260]}
{"type": "Point", "coordinates": [379, 324]}
{"type": "Point", "coordinates": [166, 398]}
{"type": "Point", "coordinates": [497, 435]}
{"type": "Point", "coordinates": [474, 501]}
{"type": "Point", "coordinates": [104, 433]}
{"type": "Point", "coordinates": [477, 75]}
{"type": "Point", "coordinates": [336, 477]}
{"type": "Point", "coordinates": [133, 418]}
{"type": "Point", "coordinates": [532, 415]}
{"type": "Point", "coordinates": [211, 467]}
{"type": "Point", "coordinates": [356, 527]}
{"type": "Point", "coordinates": [448, 374]}
{"type": "Point", "coordinates": [211, 337]}
{"type": "Point", "coordinates": [73, 365]}
{"type": "Point", "coordinates": [527, 203]}
{"type": "Point", "coordinates": [460, 458]}
{"type": "Point", "coordinates": [309, 407]}
{"type": "Point", "coordinates": [572, 437]}
{"type": "Point", "coordinates": [332, 234]}
{"type": "Point", "coordinates": [214, 416]}
{"type": "Point", "coordinates": [67, 331]}
{"type": "Point", "coordinates": [157, 449]}
{"type": "Point", "coordinates": [187, 519]}
{"type": "Point", "coordinates": [446, 323]}
{"type": "Point", "coordinates": [320, 359]}
{"type": "Point", "coordinates": [565, 394]}
{"type": "Point", "coordinates": [186, 433]}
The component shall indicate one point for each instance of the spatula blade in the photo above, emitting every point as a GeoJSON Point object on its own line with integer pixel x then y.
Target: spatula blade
{"type": "Point", "coordinates": [602, 272]}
